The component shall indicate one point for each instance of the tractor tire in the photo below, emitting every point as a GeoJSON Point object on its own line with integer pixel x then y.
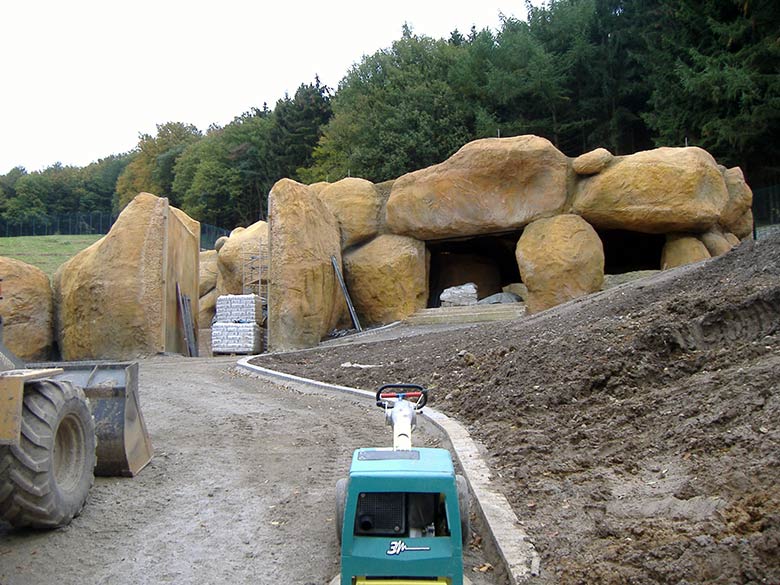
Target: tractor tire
{"type": "Point", "coordinates": [464, 507]}
{"type": "Point", "coordinates": [341, 502]}
{"type": "Point", "coordinates": [45, 480]}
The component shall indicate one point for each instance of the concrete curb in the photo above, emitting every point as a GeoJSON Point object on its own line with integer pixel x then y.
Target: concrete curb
{"type": "Point", "coordinates": [521, 561]}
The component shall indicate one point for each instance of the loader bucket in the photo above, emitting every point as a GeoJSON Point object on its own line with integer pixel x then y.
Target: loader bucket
{"type": "Point", "coordinates": [123, 444]}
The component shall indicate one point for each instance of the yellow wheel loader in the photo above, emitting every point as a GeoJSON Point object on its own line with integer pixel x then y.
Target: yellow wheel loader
{"type": "Point", "coordinates": [60, 425]}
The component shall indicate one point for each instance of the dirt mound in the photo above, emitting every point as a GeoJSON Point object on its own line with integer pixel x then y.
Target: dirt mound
{"type": "Point", "coordinates": [634, 431]}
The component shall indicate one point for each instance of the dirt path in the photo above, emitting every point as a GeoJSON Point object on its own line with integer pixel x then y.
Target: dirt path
{"type": "Point", "coordinates": [241, 489]}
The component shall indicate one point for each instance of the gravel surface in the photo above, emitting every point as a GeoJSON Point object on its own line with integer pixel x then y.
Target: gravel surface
{"type": "Point", "coordinates": [241, 489]}
{"type": "Point", "coordinates": [635, 431]}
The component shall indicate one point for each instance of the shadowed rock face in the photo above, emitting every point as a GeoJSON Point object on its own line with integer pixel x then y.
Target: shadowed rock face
{"type": "Point", "coordinates": [489, 185]}
{"type": "Point", "coordinates": [388, 278]}
{"type": "Point", "coordinates": [305, 301]}
{"type": "Point", "coordinates": [27, 310]}
{"type": "Point", "coordinates": [117, 298]}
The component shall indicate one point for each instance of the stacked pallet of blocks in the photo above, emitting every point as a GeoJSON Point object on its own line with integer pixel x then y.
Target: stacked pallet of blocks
{"type": "Point", "coordinates": [236, 328]}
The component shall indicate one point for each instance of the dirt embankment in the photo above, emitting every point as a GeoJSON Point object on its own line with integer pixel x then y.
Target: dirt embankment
{"type": "Point", "coordinates": [635, 431]}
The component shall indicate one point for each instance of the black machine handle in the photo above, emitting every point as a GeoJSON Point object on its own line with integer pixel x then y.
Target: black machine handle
{"type": "Point", "coordinates": [387, 391]}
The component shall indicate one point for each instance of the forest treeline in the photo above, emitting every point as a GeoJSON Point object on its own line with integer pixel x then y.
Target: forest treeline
{"type": "Point", "coordinates": [623, 74]}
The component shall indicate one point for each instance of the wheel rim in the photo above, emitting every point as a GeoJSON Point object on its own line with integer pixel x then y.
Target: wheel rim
{"type": "Point", "coordinates": [68, 453]}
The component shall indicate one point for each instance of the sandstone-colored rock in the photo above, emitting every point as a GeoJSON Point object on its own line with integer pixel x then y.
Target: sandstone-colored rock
{"type": "Point", "coordinates": [27, 310]}
{"type": "Point", "coordinates": [489, 185]}
{"type": "Point", "coordinates": [592, 162]}
{"type": "Point", "coordinates": [715, 242]}
{"type": "Point", "coordinates": [355, 202]}
{"type": "Point", "coordinates": [560, 258]}
{"type": "Point", "coordinates": [208, 308]}
{"type": "Point", "coordinates": [516, 288]}
{"type": "Point", "coordinates": [387, 278]}
{"type": "Point", "coordinates": [242, 257]}
{"type": "Point", "coordinates": [221, 241]}
{"type": "Point", "coordinates": [681, 249]}
{"type": "Point", "coordinates": [656, 191]}
{"type": "Point", "coordinates": [305, 300]}
{"type": "Point", "coordinates": [117, 298]}
{"type": "Point", "coordinates": [208, 272]}
{"type": "Point", "coordinates": [740, 201]}
{"type": "Point", "coordinates": [743, 227]}
{"type": "Point", "coordinates": [731, 239]}
{"type": "Point", "coordinates": [317, 188]}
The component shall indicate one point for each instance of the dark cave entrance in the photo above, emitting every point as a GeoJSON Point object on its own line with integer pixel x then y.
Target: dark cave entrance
{"type": "Point", "coordinates": [626, 251]}
{"type": "Point", "coordinates": [487, 261]}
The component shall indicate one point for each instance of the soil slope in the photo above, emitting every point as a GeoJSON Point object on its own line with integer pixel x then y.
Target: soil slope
{"type": "Point", "coordinates": [635, 431]}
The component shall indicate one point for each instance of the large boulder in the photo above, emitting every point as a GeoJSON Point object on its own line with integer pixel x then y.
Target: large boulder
{"type": "Point", "coordinates": [715, 241]}
{"type": "Point", "coordinates": [488, 186]}
{"type": "Point", "coordinates": [208, 308]}
{"type": "Point", "coordinates": [305, 300]}
{"type": "Point", "coordinates": [207, 279]}
{"type": "Point", "coordinates": [387, 278]}
{"type": "Point", "coordinates": [27, 310]}
{"type": "Point", "coordinates": [117, 299]}
{"type": "Point", "coordinates": [743, 227]}
{"type": "Point", "coordinates": [656, 191]}
{"type": "Point", "coordinates": [242, 257]}
{"type": "Point", "coordinates": [560, 258]}
{"type": "Point", "coordinates": [739, 203]}
{"type": "Point", "coordinates": [355, 202]}
{"type": "Point", "coordinates": [681, 249]}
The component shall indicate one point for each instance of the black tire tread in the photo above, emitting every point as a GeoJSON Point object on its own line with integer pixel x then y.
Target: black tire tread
{"type": "Point", "coordinates": [29, 494]}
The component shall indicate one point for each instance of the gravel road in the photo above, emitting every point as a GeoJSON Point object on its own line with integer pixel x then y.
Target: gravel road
{"type": "Point", "coordinates": [241, 488]}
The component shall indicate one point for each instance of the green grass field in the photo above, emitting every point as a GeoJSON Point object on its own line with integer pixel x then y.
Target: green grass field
{"type": "Point", "coordinates": [45, 252]}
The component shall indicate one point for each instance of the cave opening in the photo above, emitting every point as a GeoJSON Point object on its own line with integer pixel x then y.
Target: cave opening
{"type": "Point", "coordinates": [487, 261]}
{"type": "Point", "coordinates": [626, 251]}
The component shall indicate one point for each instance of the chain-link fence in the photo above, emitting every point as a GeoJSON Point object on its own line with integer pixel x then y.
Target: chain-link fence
{"type": "Point", "coordinates": [67, 224]}
{"type": "Point", "coordinates": [766, 211]}
{"type": "Point", "coordinates": [88, 223]}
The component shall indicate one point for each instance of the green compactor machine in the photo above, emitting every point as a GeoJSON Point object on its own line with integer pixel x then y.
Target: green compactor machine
{"type": "Point", "coordinates": [402, 515]}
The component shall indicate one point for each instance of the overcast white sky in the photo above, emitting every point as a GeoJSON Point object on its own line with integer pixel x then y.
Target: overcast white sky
{"type": "Point", "coordinates": [82, 78]}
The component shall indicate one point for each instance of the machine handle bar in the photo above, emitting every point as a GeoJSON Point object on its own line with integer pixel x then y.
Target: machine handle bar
{"type": "Point", "coordinates": [415, 391]}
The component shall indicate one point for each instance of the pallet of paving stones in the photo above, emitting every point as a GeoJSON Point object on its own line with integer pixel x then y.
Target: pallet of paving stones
{"type": "Point", "coordinates": [239, 309]}
{"type": "Point", "coordinates": [245, 338]}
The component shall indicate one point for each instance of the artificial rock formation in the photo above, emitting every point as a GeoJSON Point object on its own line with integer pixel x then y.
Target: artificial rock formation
{"type": "Point", "coordinates": [489, 185]}
{"type": "Point", "coordinates": [560, 258]}
{"type": "Point", "coordinates": [592, 162]}
{"type": "Point", "coordinates": [117, 299]}
{"type": "Point", "coordinates": [716, 242]}
{"type": "Point", "coordinates": [355, 202]}
{"type": "Point", "coordinates": [27, 310]}
{"type": "Point", "coordinates": [243, 249]}
{"type": "Point", "coordinates": [656, 191]}
{"type": "Point", "coordinates": [387, 278]}
{"type": "Point", "coordinates": [681, 249]}
{"type": "Point", "coordinates": [305, 301]}
{"type": "Point", "coordinates": [501, 188]}
{"type": "Point", "coordinates": [207, 287]}
{"type": "Point", "coordinates": [737, 215]}
{"type": "Point", "coordinates": [208, 270]}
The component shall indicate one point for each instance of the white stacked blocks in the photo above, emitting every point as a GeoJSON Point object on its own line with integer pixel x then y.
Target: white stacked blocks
{"type": "Point", "coordinates": [236, 328]}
